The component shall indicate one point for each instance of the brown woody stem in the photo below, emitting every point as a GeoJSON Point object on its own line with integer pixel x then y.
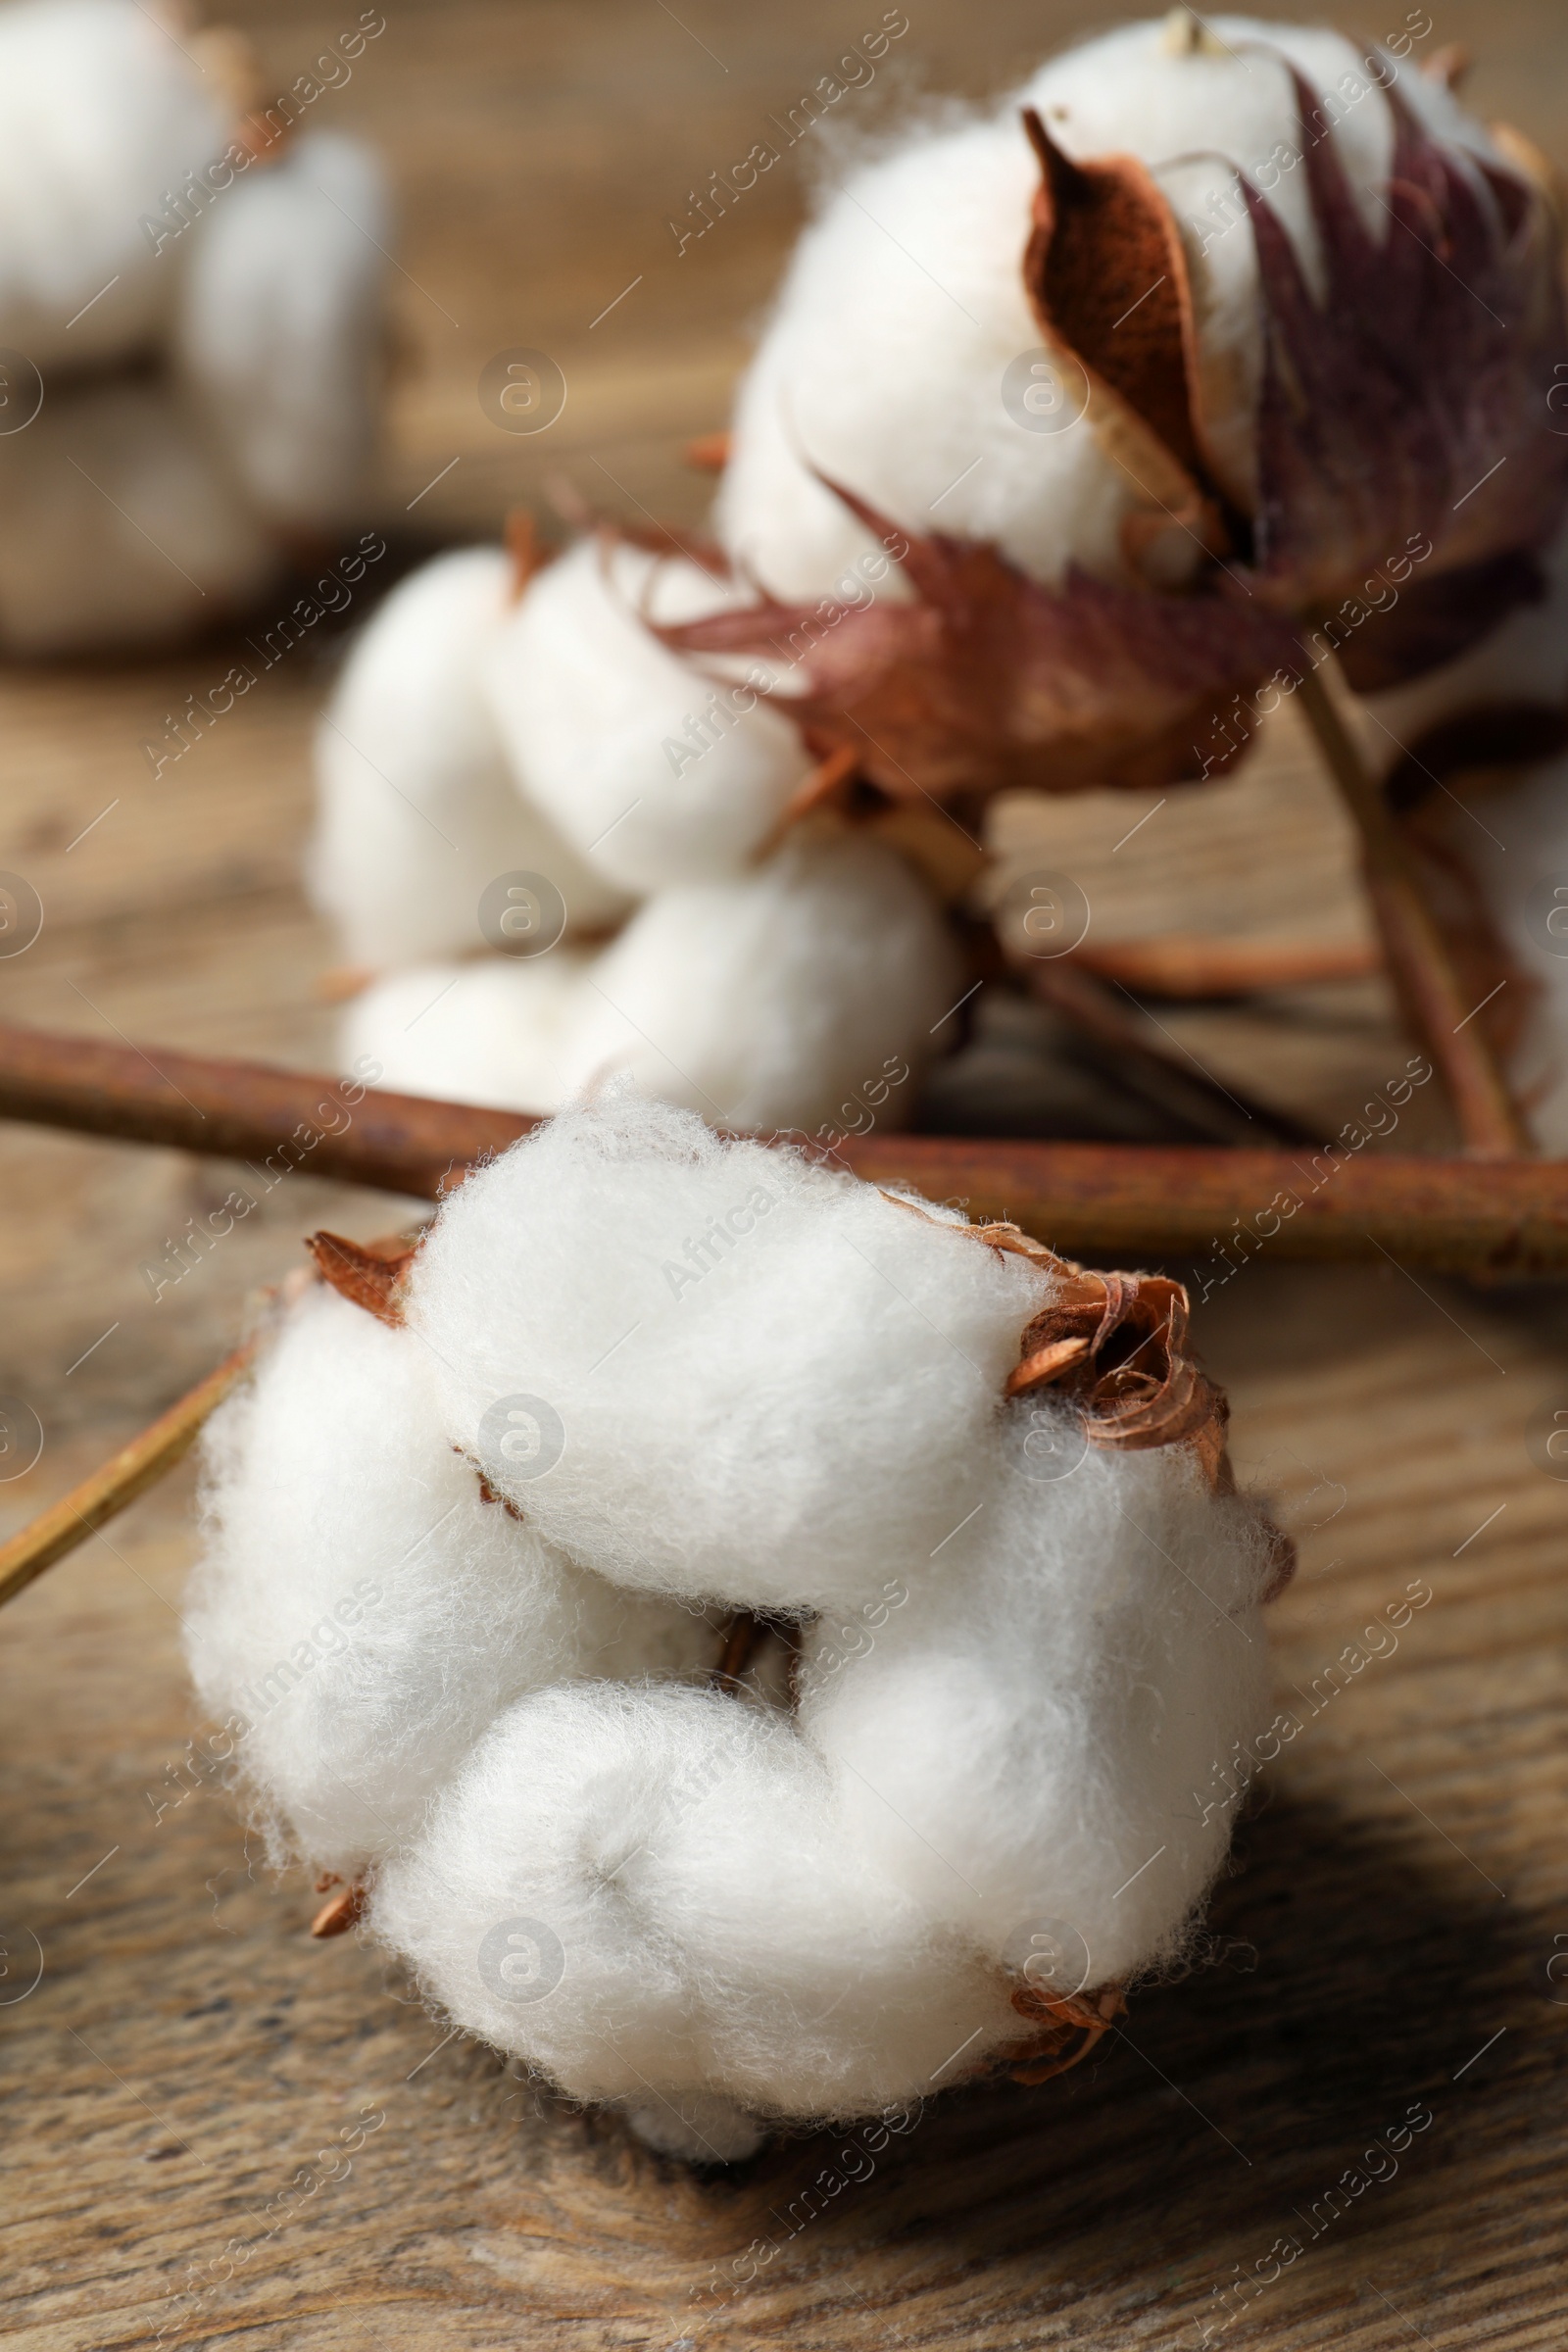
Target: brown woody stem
{"type": "Point", "coordinates": [1135, 1053]}
{"type": "Point", "coordinates": [1122, 1203]}
{"type": "Point", "coordinates": [104, 1495]}
{"type": "Point", "coordinates": [1419, 962]}
{"type": "Point", "coordinates": [1187, 965]}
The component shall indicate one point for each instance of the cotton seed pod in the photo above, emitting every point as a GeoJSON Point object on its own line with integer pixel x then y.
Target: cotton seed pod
{"type": "Point", "coordinates": [280, 329]}
{"type": "Point", "coordinates": [361, 1613]}
{"type": "Point", "coordinates": [417, 812]}
{"type": "Point", "coordinates": [118, 525]}
{"type": "Point", "coordinates": [656, 772]}
{"type": "Point", "coordinates": [102, 114]}
{"type": "Point", "coordinates": [991, 1789]}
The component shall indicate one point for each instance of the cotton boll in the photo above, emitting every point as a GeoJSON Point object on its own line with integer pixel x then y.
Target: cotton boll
{"type": "Point", "coordinates": [362, 1608]}
{"type": "Point", "coordinates": [772, 1386]}
{"type": "Point", "coordinates": [102, 115]}
{"type": "Point", "coordinates": [418, 809]}
{"type": "Point", "coordinates": [1041, 1725]}
{"type": "Point", "coordinates": [1200, 111]}
{"type": "Point", "coordinates": [685, 1915]}
{"type": "Point", "coordinates": [117, 527]}
{"type": "Point", "coordinates": [882, 366]}
{"type": "Point", "coordinates": [772, 1002]}
{"type": "Point", "coordinates": [280, 330]}
{"type": "Point", "coordinates": [655, 774]}
{"type": "Point", "coordinates": [881, 369]}
{"type": "Point", "coordinates": [498, 1032]}
{"type": "Point", "coordinates": [1006, 1766]}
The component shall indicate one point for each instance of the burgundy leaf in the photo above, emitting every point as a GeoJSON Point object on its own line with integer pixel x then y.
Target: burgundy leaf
{"type": "Point", "coordinates": [1412, 401]}
{"type": "Point", "coordinates": [988, 681]}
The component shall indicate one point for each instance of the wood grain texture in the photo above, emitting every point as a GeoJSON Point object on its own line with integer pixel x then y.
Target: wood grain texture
{"type": "Point", "coordinates": [1397, 1889]}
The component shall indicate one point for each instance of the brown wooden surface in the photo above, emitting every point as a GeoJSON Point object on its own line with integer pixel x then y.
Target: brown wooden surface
{"type": "Point", "coordinates": [1399, 1879]}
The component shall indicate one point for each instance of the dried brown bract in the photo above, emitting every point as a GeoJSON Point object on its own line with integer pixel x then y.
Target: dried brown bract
{"type": "Point", "coordinates": [369, 1274]}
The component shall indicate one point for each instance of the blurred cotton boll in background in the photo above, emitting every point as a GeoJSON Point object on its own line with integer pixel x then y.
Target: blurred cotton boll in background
{"type": "Point", "coordinates": [764, 1002]}
{"type": "Point", "coordinates": [191, 326]}
{"type": "Point", "coordinates": [417, 809]}
{"type": "Point", "coordinates": [516, 727]}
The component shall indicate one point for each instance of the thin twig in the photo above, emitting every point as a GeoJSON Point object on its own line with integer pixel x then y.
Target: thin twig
{"type": "Point", "coordinates": [1188, 966]}
{"type": "Point", "coordinates": [104, 1495]}
{"type": "Point", "coordinates": [1419, 962]}
{"type": "Point", "coordinates": [1133, 1052]}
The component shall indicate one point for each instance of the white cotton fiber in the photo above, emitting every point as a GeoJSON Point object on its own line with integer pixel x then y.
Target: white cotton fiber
{"type": "Point", "coordinates": [685, 1871]}
{"type": "Point", "coordinates": [881, 369]}
{"type": "Point", "coordinates": [655, 774]}
{"type": "Point", "coordinates": [118, 525]}
{"type": "Point", "coordinates": [776, 1000]}
{"type": "Point", "coordinates": [360, 1611]}
{"type": "Point", "coordinates": [738, 1349]}
{"type": "Point", "coordinates": [102, 114]}
{"type": "Point", "coordinates": [1024, 1733]}
{"type": "Point", "coordinates": [281, 332]}
{"type": "Point", "coordinates": [771, 1000]}
{"type": "Point", "coordinates": [984, 1757]}
{"type": "Point", "coordinates": [882, 366]}
{"type": "Point", "coordinates": [500, 1033]}
{"type": "Point", "coordinates": [417, 812]}
{"type": "Point", "coordinates": [1200, 110]}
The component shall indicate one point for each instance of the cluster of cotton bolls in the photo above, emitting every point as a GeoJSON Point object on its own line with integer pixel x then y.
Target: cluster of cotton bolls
{"type": "Point", "coordinates": [532, 769]}
{"type": "Point", "coordinates": [567, 730]}
{"type": "Point", "coordinates": [474, 1537]}
{"type": "Point", "coordinates": [879, 369]}
{"type": "Point", "coordinates": [191, 316]}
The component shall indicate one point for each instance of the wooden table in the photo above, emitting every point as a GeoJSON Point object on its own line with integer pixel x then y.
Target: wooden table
{"type": "Point", "coordinates": [1388, 1939]}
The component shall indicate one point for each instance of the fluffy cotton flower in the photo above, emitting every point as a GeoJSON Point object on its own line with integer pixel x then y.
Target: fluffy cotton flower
{"type": "Point", "coordinates": [418, 812]}
{"type": "Point", "coordinates": [771, 1002]}
{"type": "Point", "coordinates": [884, 366]}
{"type": "Point", "coordinates": [656, 774]}
{"type": "Point", "coordinates": [1023, 1650]}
